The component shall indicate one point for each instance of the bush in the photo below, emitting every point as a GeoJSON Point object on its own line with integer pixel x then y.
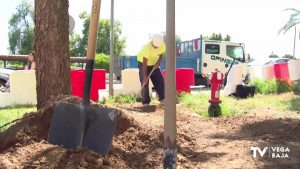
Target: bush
{"type": "Point", "coordinates": [283, 86]}
{"type": "Point", "coordinates": [271, 86]}
{"type": "Point", "coordinates": [296, 87]}
{"type": "Point", "coordinates": [16, 64]}
{"type": "Point", "coordinates": [265, 87]}
{"type": "Point", "coordinates": [102, 62]}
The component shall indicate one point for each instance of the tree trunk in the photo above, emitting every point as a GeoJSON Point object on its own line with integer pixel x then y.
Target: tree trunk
{"type": "Point", "coordinates": [51, 49]}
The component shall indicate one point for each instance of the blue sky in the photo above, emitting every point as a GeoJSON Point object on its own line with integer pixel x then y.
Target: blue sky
{"type": "Point", "coordinates": [254, 22]}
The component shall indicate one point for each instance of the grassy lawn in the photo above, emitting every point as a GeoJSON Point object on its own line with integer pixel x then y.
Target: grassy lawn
{"type": "Point", "coordinates": [230, 106]}
{"type": "Point", "coordinates": [11, 113]}
{"type": "Point", "coordinates": [199, 104]}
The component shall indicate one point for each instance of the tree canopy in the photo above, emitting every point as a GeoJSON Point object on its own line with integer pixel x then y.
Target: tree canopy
{"type": "Point", "coordinates": [218, 37]}
{"type": "Point", "coordinates": [21, 29]}
{"type": "Point", "coordinates": [293, 21]}
{"type": "Point", "coordinates": [289, 56]}
{"type": "Point", "coordinates": [273, 56]}
{"type": "Point", "coordinates": [78, 43]}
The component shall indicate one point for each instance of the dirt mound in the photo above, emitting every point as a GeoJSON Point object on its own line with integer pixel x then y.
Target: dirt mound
{"type": "Point", "coordinates": [23, 145]}
{"type": "Point", "coordinates": [202, 142]}
{"type": "Point", "coordinates": [33, 127]}
{"type": "Point", "coordinates": [43, 155]}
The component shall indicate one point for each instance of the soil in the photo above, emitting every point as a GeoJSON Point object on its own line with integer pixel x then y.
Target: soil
{"type": "Point", "coordinates": [222, 142]}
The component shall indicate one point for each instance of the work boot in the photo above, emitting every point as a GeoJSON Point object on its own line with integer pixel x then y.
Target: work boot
{"type": "Point", "coordinates": [145, 104]}
{"type": "Point", "coordinates": [162, 102]}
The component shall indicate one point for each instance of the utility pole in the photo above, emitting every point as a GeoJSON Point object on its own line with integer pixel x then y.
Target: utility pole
{"type": "Point", "coordinates": [111, 60]}
{"type": "Point", "coordinates": [294, 51]}
{"type": "Point", "coordinates": [170, 151]}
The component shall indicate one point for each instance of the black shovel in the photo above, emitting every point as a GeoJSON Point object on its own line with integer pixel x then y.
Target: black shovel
{"type": "Point", "coordinates": [76, 125]}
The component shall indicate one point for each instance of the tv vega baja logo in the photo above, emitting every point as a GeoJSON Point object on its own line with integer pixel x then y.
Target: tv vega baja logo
{"type": "Point", "coordinates": [272, 152]}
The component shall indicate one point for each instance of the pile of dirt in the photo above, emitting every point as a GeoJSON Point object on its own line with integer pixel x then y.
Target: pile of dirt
{"type": "Point", "coordinates": [202, 142]}
{"type": "Point", "coordinates": [33, 126]}
{"type": "Point", "coordinates": [44, 155]}
{"type": "Point", "coordinates": [24, 145]}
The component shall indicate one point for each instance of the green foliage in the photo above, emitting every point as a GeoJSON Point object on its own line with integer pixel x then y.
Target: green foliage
{"type": "Point", "coordinates": [199, 104]}
{"type": "Point", "coordinates": [227, 38]}
{"type": "Point", "coordinates": [288, 56]}
{"type": "Point", "coordinates": [76, 46]}
{"type": "Point", "coordinates": [271, 86]}
{"type": "Point", "coordinates": [273, 56]}
{"type": "Point", "coordinates": [16, 64]}
{"type": "Point", "coordinates": [177, 37]}
{"type": "Point", "coordinates": [264, 87]}
{"type": "Point", "coordinates": [21, 29]}
{"type": "Point", "coordinates": [11, 113]}
{"type": "Point", "coordinates": [230, 106]}
{"type": "Point", "coordinates": [102, 62]}
{"type": "Point", "coordinates": [293, 21]}
{"type": "Point", "coordinates": [218, 37]}
{"type": "Point", "coordinates": [283, 86]}
{"type": "Point", "coordinates": [296, 87]}
{"type": "Point", "coordinates": [78, 43]}
{"type": "Point", "coordinates": [120, 99]}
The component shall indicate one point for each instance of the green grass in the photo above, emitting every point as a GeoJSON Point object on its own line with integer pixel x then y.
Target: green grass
{"type": "Point", "coordinates": [120, 99]}
{"type": "Point", "coordinates": [76, 66]}
{"type": "Point", "coordinates": [231, 106]}
{"type": "Point", "coordinates": [1, 64]}
{"type": "Point", "coordinates": [16, 64]}
{"type": "Point", "coordinates": [11, 113]}
{"type": "Point", "coordinates": [271, 86]}
{"type": "Point", "coordinates": [296, 86]}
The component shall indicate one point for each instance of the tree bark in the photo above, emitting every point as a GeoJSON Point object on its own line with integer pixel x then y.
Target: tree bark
{"type": "Point", "coordinates": [52, 49]}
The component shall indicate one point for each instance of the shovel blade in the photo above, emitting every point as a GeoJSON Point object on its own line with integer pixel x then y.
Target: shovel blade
{"type": "Point", "coordinates": [100, 129]}
{"type": "Point", "coordinates": [67, 126]}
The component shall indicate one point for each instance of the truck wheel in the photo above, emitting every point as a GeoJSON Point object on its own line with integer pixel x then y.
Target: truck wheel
{"type": "Point", "coordinates": [2, 85]}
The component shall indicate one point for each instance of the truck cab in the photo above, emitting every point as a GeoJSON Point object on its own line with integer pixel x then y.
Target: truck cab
{"type": "Point", "coordinates": [206, 56]}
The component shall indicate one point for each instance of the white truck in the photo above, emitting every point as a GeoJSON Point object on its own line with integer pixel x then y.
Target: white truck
{"type": "Point", "coordinates": [204, 56]}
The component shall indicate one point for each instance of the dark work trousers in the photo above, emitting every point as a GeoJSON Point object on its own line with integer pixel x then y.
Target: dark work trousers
{"type": "Point", "coordinates": [157, 80]}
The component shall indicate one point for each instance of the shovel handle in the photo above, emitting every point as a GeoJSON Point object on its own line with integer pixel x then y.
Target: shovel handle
{"type": "Point", "coordinates": [144, 84]}
{"type": "Point", "coordinates": [91, 51]}
{"type": "Point", "coordinates": [93, 29]}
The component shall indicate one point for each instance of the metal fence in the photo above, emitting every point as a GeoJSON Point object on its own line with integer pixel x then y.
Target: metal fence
{"type": "Point", "coordinates": [23, 58]}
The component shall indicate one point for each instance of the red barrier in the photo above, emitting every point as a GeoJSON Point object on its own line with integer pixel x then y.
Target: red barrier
{"type": "Point", "coordinates": [184, 79]}
{"type": "Point", "coordinates": [281, 71]}
{"type": "Point", "coordinates": [98, 82]}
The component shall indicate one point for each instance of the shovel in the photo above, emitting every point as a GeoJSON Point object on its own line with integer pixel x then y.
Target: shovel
{"type": "Point", "coordinates": [76, 125]}
{"type": "Point", "coordinates": [148, 77]}
{"type": "Point", "coordinates": [143, 85]}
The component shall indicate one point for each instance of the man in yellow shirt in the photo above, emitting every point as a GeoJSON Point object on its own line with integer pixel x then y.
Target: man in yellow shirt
{"type": "Point", "coordinates": [150, 58]}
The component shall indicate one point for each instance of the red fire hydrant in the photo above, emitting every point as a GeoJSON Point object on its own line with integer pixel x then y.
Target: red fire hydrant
{"type": "Point", "coordinates": [216, 80]}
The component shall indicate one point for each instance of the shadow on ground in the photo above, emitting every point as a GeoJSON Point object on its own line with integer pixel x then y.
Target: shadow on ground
{"type": "Point", "coordinates": [272, 133]}
{"type": "Point", "coordinates": [141, 109]}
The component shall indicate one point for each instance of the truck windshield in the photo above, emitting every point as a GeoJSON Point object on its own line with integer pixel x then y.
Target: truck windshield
{"type": "Point", "coordinates": [235, 52]}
